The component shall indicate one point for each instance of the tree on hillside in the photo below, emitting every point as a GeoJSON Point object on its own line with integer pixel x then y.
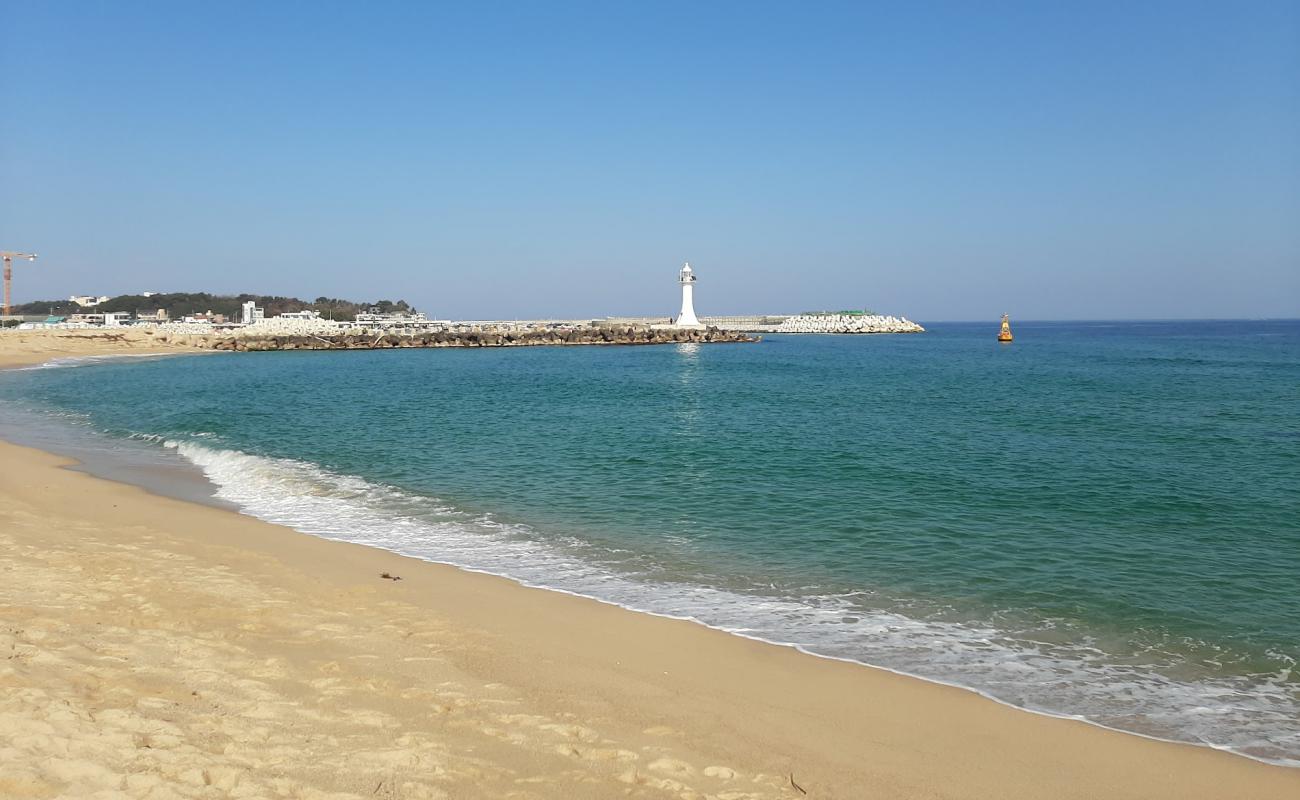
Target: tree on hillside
{"type": "Point", "coordinates": [183, 304]}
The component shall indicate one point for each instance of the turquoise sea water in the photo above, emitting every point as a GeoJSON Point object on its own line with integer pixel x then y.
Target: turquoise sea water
{"type": "Point", "coordinates": [1101, 520]}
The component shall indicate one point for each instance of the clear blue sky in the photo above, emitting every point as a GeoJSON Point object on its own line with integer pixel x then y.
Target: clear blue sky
{"type": "Point", "coordinates": [943, 161]}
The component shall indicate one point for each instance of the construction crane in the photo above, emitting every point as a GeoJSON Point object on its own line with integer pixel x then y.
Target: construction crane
{"type": "Point", "coordinates": [9, 257]}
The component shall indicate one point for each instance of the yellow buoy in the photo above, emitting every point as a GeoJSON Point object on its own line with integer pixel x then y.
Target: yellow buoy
{"type": "Point", "coordinates": [1005, 334]}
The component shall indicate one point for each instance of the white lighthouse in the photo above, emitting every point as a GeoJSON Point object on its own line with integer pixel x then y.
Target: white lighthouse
{"type": "Point", "coordinates": [686, 319]}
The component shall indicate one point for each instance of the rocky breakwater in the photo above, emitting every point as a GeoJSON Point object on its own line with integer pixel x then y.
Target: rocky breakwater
{"type": "Point", "coordinates": [847, 323]}
{"type": "Point", "coordinates": [352, 339]}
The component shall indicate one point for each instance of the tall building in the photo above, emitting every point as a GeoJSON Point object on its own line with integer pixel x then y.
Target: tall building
{"type": "Point", "coordinates": [251, 313]}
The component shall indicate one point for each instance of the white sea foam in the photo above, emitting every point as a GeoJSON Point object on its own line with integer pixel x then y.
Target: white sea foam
{"type": "Point", "coordinates": [1254, 716]}
{"type": "Point", "coordinates": [84, 361]}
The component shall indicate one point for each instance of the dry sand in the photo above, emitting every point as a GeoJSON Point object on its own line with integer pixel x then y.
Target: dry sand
{"type": "Point", "coordinates": [153, 648]}
{"type": "Point", "coordinates": [23, 348]}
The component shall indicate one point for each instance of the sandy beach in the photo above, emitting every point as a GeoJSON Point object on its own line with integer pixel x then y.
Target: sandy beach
{"type": "Point", "coordinates": [156, 648]}
{"type": "Point", "coordinates": [25, 348]}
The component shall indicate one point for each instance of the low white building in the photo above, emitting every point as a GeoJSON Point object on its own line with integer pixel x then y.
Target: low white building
{"type": "Point", "coordinates": [88, 300]}
{"type": "Point", "coordinates": [109, 319]}
{"type": "Point", "coordinates": [307, 314]}
{"type": "Point", "coordinates": [374, 319]}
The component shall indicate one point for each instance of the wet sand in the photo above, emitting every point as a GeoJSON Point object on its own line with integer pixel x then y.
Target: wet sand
{"type": "Point", "coordinates": [158, 648]}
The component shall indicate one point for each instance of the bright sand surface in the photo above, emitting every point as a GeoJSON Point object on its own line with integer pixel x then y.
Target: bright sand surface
{"type": "Point", "coordinates": [156, 648]}
{"type": "Point", "coordinates": [24, 348]}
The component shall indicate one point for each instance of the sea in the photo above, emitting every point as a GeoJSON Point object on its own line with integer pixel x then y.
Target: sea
{"type": "Point", "coordinates": [1099, 521]}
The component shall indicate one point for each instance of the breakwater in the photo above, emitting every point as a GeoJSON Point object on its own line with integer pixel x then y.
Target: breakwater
{"type": "Point", "coordinates": [847, 323]}
{"type": "Point", "coordinates": [250, 339]}
{"type": "Point", "coordinates": [794, 323]}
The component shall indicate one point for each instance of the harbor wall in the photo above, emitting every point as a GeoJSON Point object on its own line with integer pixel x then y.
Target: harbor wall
{"type": "Point", "coordinates": [793, 323]}
{"type": "Point", "coordinates": [245, 340]}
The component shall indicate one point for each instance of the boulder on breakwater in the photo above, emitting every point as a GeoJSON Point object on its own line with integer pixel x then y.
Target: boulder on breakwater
{"type": "Point", "coordinates": [251, 341]}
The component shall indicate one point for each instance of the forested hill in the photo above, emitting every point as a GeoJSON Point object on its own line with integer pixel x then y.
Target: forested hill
{"type": "Point", "coordinates": [181, 304]}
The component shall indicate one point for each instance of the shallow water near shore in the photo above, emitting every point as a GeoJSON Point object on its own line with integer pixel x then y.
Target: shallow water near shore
{"type": "Point", "coordinates": [1101, 519]}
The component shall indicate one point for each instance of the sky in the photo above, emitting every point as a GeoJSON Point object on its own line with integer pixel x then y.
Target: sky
{"type": "Point", "coordinates": [943, 161]}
